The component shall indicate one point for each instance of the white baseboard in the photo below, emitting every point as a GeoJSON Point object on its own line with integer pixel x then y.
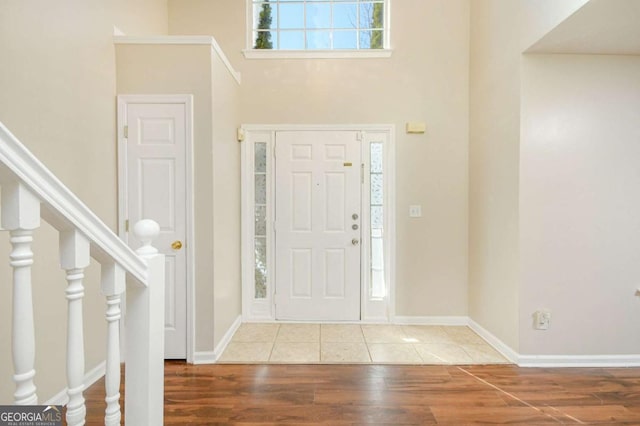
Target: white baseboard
{"type": "Point", "coordinates": [212, 357]}
{"type": "Point", "coordinates": [90, 377]}
{"type": "Point", "coordinates": [205, 357]}
{"type": "Point", "coordinates": [453, 320]}
{"type": "Point", "coordinates": [497, 344]}
{"type": "Point", "coordinates": [579, 361]}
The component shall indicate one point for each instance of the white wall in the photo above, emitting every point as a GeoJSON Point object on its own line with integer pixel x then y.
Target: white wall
{"type": "Point", "coordinates": [426, 79]}
{"type": "Point", "coordinates": [57, 86]}
{"type": "Point", "coordinates": [580, 203]}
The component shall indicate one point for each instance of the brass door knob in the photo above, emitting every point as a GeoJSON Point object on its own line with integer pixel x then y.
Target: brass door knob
{"type": "Point", "coordinates": [176, 245]}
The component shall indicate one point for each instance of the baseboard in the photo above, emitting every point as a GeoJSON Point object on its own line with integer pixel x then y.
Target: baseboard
{"type": "Point", "coordinates": [611, 361]}
{"type": "Point", "coordinates": [212, 357]}
{"type": "Point", "coordinates": [431, 320]}
{"type": "Point", "coordinates": [497, 344]}
{"type": "Point", "coordinates": [90, 377]}
{"type": "Point", "coordinates": [204, 357]}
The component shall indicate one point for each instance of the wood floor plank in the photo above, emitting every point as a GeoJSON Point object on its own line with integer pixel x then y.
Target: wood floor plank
{"type": "Point", "coordinates": [395, 395]}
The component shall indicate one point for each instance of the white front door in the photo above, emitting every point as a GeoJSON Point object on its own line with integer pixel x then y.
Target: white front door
{"type": "Point", "coordinates": [155, 175]}
{"type": "Point", "coordinates": [317, 195]}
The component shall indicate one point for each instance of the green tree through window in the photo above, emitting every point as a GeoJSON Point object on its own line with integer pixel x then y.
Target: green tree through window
{"type": "Point", "coordinates": [377, 21]}
{"type": "Point", "coordinates": [263, 39]}
{"type": "Point", "coordinates": [319, 24]}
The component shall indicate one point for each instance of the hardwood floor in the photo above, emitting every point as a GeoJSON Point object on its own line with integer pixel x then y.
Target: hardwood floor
{"type": "Point", "coordinates": [393, 395]}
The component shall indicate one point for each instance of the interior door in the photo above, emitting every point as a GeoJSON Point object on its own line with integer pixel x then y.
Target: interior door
{"type": "Point", "coordinates": [317, 196]}
{"type": "Point", "coordinates": [156, 189]}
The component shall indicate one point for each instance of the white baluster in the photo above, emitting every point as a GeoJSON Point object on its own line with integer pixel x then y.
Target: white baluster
{"type": "Point", "coordinates": [21, 215]}
{"type": "Point", "coordinates": [113, 285]}
{"type": "Point", "coordinates": [74, 257]}
{"type": "Point", "coordinates": [144, 373]}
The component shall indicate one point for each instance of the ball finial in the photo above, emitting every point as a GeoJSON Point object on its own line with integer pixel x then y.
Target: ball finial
{"type": "Point", "coordinates": [146, 230]}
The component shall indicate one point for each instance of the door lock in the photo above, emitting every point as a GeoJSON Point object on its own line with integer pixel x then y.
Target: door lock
{"type": "Point", "coordinates": [354, 226]}
{"type": "Point", "coordinates": [176, 245]}
{"type": "Point", "coordinates": [354, 216]}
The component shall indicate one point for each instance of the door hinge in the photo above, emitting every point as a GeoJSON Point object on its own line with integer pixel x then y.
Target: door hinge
{"type": "Point", "coordinates": [126, 225]}
{"type": "Point", "coordinates": [126, 131]}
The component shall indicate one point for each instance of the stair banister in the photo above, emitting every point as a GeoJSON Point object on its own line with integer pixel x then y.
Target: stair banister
{"type": "Point", "coordinates": [31, 192]}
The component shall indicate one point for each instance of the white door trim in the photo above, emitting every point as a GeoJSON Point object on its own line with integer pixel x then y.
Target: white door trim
{"type": "Point", "coordinates": [263, 309]}
{"type": "Point", "coordinates": [187, 101]}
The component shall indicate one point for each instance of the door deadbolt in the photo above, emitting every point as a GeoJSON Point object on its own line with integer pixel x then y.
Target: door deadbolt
{"type": "Point", "coordinates": [354, 216]}
{"type": "Point", "coordinates": [176, 245]}
{"type": "Point", "coordinates": [354, 226]}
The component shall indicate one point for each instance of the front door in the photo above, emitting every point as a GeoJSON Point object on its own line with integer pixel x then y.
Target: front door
{"type": "Point", "coordinates": [155, 188]}
{"type": "Point", "coordinates": [317, 196]}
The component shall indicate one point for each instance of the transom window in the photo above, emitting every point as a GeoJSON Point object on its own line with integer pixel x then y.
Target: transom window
{"type": "Point", "coordinates": [319, 24]}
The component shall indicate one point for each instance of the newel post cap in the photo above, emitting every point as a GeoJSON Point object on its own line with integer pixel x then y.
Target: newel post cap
{"type": "Point", "coordinates": [146, 230]}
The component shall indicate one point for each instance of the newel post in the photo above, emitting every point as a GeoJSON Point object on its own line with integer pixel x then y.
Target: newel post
{"type": "Point", "coordinates": [144, 368]}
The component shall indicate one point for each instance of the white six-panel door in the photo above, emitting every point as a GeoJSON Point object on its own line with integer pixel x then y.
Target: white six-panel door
{"type": "Point", "coordinates": [155, 187]}
{"type": "Point", "coordinates": [317, 195]}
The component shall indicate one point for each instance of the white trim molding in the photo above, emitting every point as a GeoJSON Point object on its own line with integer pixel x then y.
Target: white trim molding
{"type": "Point", "coordinates": [211, 357]}
{"type": "Point", "coordinates": [317, 54]}
{"type": "Point", "coordinates": [610, 361]}
{"type": "Point", "coordinates": [204, 357]}
{"type": "Point", "coordinates": [187, 101]}
{"type": "Point", "coordinates": [497, 344]}
{"type": "Point", "coordinates": [443, 320]}
{"type": "Point", "coordinates": [178, 40]}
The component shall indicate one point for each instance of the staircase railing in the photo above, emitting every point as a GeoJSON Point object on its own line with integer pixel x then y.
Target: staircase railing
{"type": "Point", "coordinates": [31, 192]}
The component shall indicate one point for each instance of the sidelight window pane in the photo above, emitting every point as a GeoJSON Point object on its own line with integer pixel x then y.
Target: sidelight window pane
{"type": "Point", "coordinates": [260, 225]}
{"type": "Point", "coordinates": [378, 288]}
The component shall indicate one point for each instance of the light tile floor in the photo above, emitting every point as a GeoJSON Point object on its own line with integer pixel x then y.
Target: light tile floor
{"type": "Point", "coordinates": [357, 344]}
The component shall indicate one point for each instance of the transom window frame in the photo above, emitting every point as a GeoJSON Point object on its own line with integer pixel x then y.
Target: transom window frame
{"type": "Point", "coordinates": [251, 53]}
{"type": "Point", "coordinates": [374, 307]}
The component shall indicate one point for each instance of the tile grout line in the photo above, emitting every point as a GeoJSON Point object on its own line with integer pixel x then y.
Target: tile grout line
{"type": "Point", "coordinates": [273, 345]}
{"type": "Point", "coordinates": [512, 396]}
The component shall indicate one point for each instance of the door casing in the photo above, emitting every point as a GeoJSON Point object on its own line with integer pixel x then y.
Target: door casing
{"type": "Point", "coordinates": [187, 100]}
{"type": "Point", "coordinates": [372, 311]}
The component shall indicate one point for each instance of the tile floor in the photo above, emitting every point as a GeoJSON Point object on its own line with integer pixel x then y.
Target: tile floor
{"type": "Point", "coordinates": [353, 343]}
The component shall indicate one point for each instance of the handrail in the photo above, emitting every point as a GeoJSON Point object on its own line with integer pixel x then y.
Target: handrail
{"type": "Point", "coordinates": [62, 209]}
{"type": "Point", "coordinates": [30, 192]}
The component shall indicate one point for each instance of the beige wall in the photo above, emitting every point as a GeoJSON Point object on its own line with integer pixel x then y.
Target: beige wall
{"type": "Point", "coordinates": [580, 203]}
{"type": "Point", "coordinates": [493, 168]}
{"type": "Point", "coordinates": [500, 31]}
{"type": "Point", "coordinates": [426, 79]}
{"type": "Point", "coordinates": [226, 199]}
{"type": "Point", "coordinates": [57, 81]}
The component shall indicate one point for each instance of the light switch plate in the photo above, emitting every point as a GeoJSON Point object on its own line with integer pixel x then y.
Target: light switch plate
{"type": "Point", "coordinates": [415, 211]}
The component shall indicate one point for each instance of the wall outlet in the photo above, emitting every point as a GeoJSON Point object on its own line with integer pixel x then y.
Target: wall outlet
{"type": "Point", "coordinates": [542, 319]}
{"type": "Point", "coordinates": [415, 211]}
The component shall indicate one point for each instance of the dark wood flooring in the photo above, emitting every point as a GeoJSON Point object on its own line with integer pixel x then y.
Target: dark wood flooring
{"type": "Point", "coordinates": [391, 395]}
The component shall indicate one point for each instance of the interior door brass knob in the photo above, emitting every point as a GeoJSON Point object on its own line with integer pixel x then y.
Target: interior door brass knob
{"type": "Point", "coordinates": [176, 245]}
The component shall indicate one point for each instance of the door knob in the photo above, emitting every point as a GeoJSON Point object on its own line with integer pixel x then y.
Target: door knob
{"type": "Point", "coordinates": [176, 245]}
{"type": "Point", "coordinates": [355, 241]}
